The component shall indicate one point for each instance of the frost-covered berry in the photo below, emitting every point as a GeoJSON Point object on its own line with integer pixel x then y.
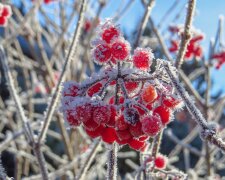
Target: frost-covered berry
{"type": "Point", "coordinates": [101, 114]}
{"type": "Point", "coordinates": [94, 89]}
{"type": "Point", "coordinates": [121, 124]}
{"type": "Point", "coordinates": [112, 119]}
{"type": "Point", "coordinates": [151, 125]}
{"type": "Point", "coordinates": [131, 115]}
{"type": "Point", "coordinates": [3, 21]}
{"type": "Point", "coordinates": [101, 53]}
{"type": "Point", "coordinates": [70, 116]}
{"type": "Point", "coordinates": [160, 161]}
{"type": "Point", "coordinates": [90, 125]}
{"type": "Point", "coordinates": [136, 144]}
{"type": "Point", "coordinates": [110, 33]}
{"type": "Point", "coordinates": [6, 11]}
{"type": "Point", "coordinates": [96, 133]}
{"type": "Point", "coordinates": [70, 88]}
{"type": "Point", "coordinates": [142, 58]}
{"type": "Point", "coordinates": [136, 130]}
{"type": "Point", "coordinates": [123, 135]}
{"type": "Point", "coordinates": [122, 142]}
{"type": "Point", "coordinates": [164, 113]}
{"type": "Point", "coordinates": [149, 94]}
{"type": "Point", "coordinates": [84, 112]}
{"type": "Point", "coordinates": [131, 86]}
{"type": "Point", "coordinates": [109, 135]}
{"type": "Point", "coordinates": [120, 49]}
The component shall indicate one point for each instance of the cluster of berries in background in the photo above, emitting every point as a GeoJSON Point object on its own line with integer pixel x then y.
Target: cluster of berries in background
{"type": "Point", "coordinates": [194, 49]}
{"type": "Point", "coordinates": [121, 103]}
{"type": "Point", "coordinates": [5, 14]}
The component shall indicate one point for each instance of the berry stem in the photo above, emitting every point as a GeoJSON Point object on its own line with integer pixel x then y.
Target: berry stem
{"type": "Point", "coordinates": [26, 125]}
{"type": "Point", "coordinates": [89, 160]}
{"type": "Point", "coordinates": [187, 34]}
{"type": "Point", "coordinates": [56, 95]}
{"type": "Point", "coordinates": [155, 148]}
{"type": "Point", "coordinates": [144, 22]}
{"type": "Point", "coordinates": [112, 163]}
{"type": "Point", "coordinates": [207, 133]}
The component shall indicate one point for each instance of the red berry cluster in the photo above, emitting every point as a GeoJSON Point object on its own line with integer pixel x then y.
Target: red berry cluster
{"type": "Point", "coordinates": [194, 50]}
{"type": "Point", "coordinates": [5, 14]}
{"type": "Point", "coordinates": [122, 103]}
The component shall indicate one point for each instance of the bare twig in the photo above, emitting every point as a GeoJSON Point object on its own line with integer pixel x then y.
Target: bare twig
{"type": "Point", "coordinates": [187, 34]}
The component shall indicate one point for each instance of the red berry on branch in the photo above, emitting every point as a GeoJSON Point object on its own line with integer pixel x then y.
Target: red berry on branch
{"type": "Point", "coordinates": [160, 162]}
{"type": "Point", "coordinates": [71, 118]}
{"type": "Point", "coordinates": [164, 113]}
{"type": "Point", "coordinates": [84, 112]}
{"type": "Point", "coordinates": [142, 58]}
{"type": "Point", "coordinates": [136, 144]}
{"type": "Point", "coordinates": [121, 124]}
{"type": "Point", "coordinates": [96, 133]}
{"type": "Point", "coordinates": [136, 130]}
{"type": "Point", "coordinates": [109, 135]}
{"type": "Point", "coordinates": [123, 135]}
{"type": "Point", "coordinates": [120, 49]}
{"type": "Point", "coordinates": [101, 53]}
{"type": "Point", "coordinates": [110, 33]}
{"type": "Point", "coordinates": [149, 94]}
{"type": "Point", "coordinates": [151, 125]}
{"type": "Point", "coordinates": [101, 114]}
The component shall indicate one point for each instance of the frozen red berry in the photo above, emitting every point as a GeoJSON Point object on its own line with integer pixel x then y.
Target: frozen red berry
{"type": "Point", "coordinates": [136, 130]}
{"type": "Point", "coordinates": [164, 113]}
{"type": "Point", "coordinates": [151, 125]}
{"type": "Point", "coordinates": [84, 112]}
{"type": "Point", "coordinates": [3, 21]}
{"type": "Point", "coordinates": [112, 119]}
{"type": "Point", "coordinates": [136, 144]}
{"type": "Point", "coordinates": [121, 142]}
{"type": "Point", "coordinates": [160, 162]}
{"type": "Point", "coordinates": [94, 89]}
{"type": "Point", "coordinates": [142, 58]}
{"type": "Point", "coordinates": [70, 116]}
{"type": "Point", "coordinates": [121, 124]}
{"type": "Point", "coordinates": [102, 53]}
{"type": "Point", "coordinates": [123, 135]}
{"type": "Point", "coordinates": [6, 11]}
{"type": "Point", "coordinates": [149, 94]}
{"type": "Point", "coordinates": [90, 125]}
{"type": "Point", "coordinates": [110, 33]}
{"type": "Point", "coordinates": [96, 133]}
{"type": "Point", "coordinates": [101, 114]}
{"type": "Point", "coordinates": [109, 135]}
{"type": "Point", "coordinates": [120, 50]}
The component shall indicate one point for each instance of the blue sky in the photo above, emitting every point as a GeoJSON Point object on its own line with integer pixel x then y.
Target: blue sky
{"type": "Point", "coordinates": [206, 19]}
